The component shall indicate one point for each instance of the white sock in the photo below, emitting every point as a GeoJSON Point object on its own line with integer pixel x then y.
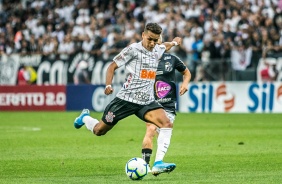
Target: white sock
{"type": "Point", "coordinates": [90, 122]}
{"type": "Point", "coordinates": [163, 143]}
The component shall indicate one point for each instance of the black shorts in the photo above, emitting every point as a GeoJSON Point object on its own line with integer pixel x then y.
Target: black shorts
{"type": "Point", "coordinates": [118, 109]}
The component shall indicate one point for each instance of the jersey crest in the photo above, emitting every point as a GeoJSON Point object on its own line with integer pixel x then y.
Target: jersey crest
{"type": "Point", "coordinates": [110, 117]}
{"type": "Point", "coordinates": [168, 67]}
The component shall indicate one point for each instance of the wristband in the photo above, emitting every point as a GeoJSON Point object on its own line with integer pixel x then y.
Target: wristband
{"type": "Point", "coordinates": [175, 43]}
{"type": "Point", "coordinates": [108, 86]}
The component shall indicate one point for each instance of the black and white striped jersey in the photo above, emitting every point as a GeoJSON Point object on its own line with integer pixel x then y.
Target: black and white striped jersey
{"type": "Point", "coordinates": [141, 66]}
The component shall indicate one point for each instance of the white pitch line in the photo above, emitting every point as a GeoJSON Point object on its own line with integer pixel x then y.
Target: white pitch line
{"type": "Point", "coordinates": [31, 128]}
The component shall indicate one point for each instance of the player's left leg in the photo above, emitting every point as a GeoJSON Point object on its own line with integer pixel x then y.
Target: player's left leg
{"type": "Point", "coordinates": [155, 114]}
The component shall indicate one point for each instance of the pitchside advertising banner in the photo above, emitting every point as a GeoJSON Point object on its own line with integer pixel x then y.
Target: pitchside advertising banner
{"type": "Point", "coordinates": [232, 97]}
{"type": "Point", "coordinates": [32, 98]}
{"type": "Point", "coordinates": [54, 98]}
{"type": "Point", "coordinates": [217, 97]}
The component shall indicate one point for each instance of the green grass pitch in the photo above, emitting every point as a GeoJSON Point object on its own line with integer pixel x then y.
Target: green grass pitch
{"type": "Point", "coordinates": [44, 147]}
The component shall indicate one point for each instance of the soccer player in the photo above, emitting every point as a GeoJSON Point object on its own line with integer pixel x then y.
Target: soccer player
{"type": "Point", "coordinates": [136, 96]}
{"type": "Point", "coordinates": [165, 94]}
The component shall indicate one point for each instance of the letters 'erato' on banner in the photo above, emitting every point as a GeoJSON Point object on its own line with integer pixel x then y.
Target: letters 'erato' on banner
{"type": "Point", "coordinates": [32, 98]}
{"type": "Point", "coordinates": [233, 97]}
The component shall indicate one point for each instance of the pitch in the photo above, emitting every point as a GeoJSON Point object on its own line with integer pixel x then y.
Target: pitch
{"type": "Point", "coordinates": [44, 147]}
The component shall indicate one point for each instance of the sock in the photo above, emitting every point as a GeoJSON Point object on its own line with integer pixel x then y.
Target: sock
{"type": "Point", "coordinates": [90, 122]}
{"type": "Point", "coordinates": [146, 155]}
{"type": "Point", "coordinates": [163, 143]}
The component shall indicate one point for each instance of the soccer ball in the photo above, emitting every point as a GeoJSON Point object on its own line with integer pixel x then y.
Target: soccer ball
{"type": "Point", "coordinates": [136, 168]}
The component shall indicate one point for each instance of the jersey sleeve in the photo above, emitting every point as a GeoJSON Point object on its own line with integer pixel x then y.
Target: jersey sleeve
{"type": "Point", "coordinates": [179, 64]}
{"type": "Point", "coordinates": [160, 49]}
{"type": "Point", "coordinates": [124, 56]}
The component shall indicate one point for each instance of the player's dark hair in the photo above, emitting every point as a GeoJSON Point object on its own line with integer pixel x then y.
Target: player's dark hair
{"type": "Point", "coordinates": [154, 28]}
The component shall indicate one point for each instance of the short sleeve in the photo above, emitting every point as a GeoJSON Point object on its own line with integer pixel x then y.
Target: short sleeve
{"type": "Point", "coordinates": [179, 64]}
{"type": "Point", "coordinates": [124, 56]}
{"type": "Point", "coordinates": [160, 49]}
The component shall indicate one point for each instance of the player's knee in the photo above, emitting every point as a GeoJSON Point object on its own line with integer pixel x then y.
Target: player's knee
{"type": "Point", "coordinates": [166, 123]}
{"type": "Point", "coordinates": [99, 132]}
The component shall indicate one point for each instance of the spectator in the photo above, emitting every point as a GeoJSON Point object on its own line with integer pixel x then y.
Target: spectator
{"type": "Point", "coordinates": [38, 30]}
{"type": "Point", "coordinates": [187, 42]}
{"type": "Point", "coordinates": [50, 47]}
{"type": "Point", "coordinates": [87, 44]}
{"type": "Point", "coordinates": [23, 76]}
{"type": "Point", "coordinates": [197, 48]}
{"type": "Point", "coordinates": [25, 47]}
{"type": "Point", "coordinates": [81, 74]}
{"type": "Point", "coordinates": [59, 33]}
{"type": "Point", "coordinates": [240, 57]}
{"type": "Point", "coordinates": [269, 72]}
{"type": "Point", "coordinates": [256, 45]}
{"type": "Point", "coordinates": [66, 48]}
{"type": "Point", "coordinates": [97, 48]}
{"type": "Point", "coordinates": [33, 45]}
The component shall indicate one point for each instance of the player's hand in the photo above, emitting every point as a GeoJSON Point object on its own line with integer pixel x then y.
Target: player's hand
{"type": "Point", "coordinates": [108, 90]}
{"type": "Point", "coordinates": [178, 40]}
{"type": "Point", "coordinates": [183, 89]}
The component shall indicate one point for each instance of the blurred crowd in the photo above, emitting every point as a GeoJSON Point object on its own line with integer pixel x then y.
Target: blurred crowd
{"type": "Point", "coordinates": [215, 32]}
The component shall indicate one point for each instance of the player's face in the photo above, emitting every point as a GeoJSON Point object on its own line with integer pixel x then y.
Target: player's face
{"type": "Point", "coordinates": [149, 40]}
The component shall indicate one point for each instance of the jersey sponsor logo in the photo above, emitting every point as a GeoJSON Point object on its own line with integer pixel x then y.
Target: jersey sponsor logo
{"type": "Point", "coordinates": [162, 89]}
{"type": "Point", "coordinates": [160, 72]}
{"type": "Point", "coordinates": [145, 66]}
{"type": "Point", "coordinates": [167, 57]}
{"type": "Point", "coordinates": [163, 100]}
{"type": "Point", "coordinates": [110, 117]}
{"type": "Point", "coordinates": [168, 67]}
{"type": "Point", "coordinates": [147, 74]}
{"type": "Point", "coordinates": [141, 96]}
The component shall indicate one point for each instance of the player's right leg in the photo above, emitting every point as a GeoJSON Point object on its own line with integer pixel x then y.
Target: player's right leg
{"type": "Point", "coordinates": [97, 127]}
{"type": "Point", "coordinates": [147, 144]}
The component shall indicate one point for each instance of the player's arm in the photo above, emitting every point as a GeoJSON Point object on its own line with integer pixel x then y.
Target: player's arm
{"type": "Point", "coordinates": [176, 41]}
{"type": "Point", "coordinates": [119, 60]}
{"type": "Point", "coordinates": [186, 79]}
{"type": "Point", "coordinates": [109, 77]}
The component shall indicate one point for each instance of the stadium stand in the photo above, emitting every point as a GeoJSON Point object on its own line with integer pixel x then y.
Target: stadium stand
{"type": "Point", "coordinates": [222, 39]}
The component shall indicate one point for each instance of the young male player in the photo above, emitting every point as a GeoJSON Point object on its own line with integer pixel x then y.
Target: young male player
{"type": "Point", "coordinates": [165, 94]}
{"type": "Point", "coordinates": [136, 96]}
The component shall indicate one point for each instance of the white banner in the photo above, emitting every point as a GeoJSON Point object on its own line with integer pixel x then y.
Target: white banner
{"type": "Point", "coordinates": [237, 97]}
